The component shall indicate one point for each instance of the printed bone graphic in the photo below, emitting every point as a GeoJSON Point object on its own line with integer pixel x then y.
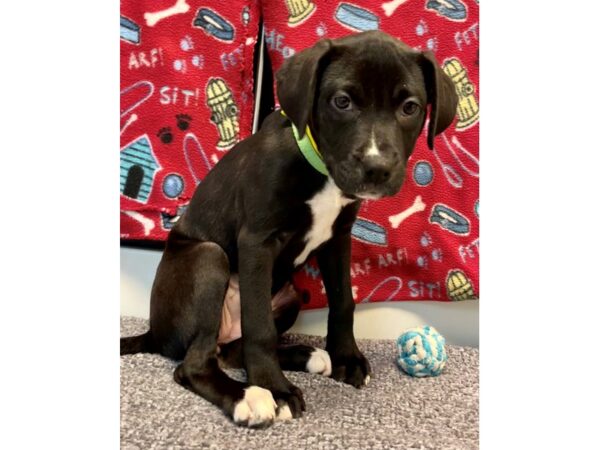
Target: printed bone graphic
{"type": "Point", "coordinates": [416, 207]}
{"type": "Point", "coordinates": [146, 223]}
{"type": "Point", "coordinates": [131, 119]}
{"type": "Point", "coordinates": [152, 18]}
{"type": "Point", "coordinates": [390, 7]}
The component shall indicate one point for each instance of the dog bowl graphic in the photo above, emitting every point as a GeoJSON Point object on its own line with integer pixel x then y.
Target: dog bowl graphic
{"type": "Point", "coordinates": [214, 25]}
{"type": "Point", "coordinates": [130, 31]}
{"type": "Point", "coordinates": [300, 10]}
{"type": "Point", "coordinates": [356, 18]}
{"type": "Point", "coordinates": [369, 232]}
{"type": "Point", "coordinates": [459, 286]}
{"type": "Point", "coordinates": [449, 219]}
{"type": "Point", "coordinates": [450, 9]}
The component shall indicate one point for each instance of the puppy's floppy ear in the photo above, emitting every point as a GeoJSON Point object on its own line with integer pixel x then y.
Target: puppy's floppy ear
{"type": "Point", "coordinates": [441, 93]}
{"type": "Point", "coordinates": [297, 83]}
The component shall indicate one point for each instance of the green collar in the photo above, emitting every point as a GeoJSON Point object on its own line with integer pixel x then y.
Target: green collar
{"type": "Point", "coordinates": [308, 147]}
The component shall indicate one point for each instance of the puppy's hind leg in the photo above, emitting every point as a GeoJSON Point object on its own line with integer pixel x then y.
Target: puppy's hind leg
{"type": "Point", "coordinates": [300, 358]}
{"type": "Point", "coordinates": [304, 358]}
{"type": "Point", "coordinates": [199, 372]}
{"type": "Point", "coordinates": [296, 358]}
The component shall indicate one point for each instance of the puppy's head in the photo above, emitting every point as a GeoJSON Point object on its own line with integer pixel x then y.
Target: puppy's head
{"type": "Point", "coordinates": [365, 98]}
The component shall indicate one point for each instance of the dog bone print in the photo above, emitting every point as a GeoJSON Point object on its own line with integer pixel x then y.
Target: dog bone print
{"type": "Point", "coordinates": [390, 7]}
{"type": "Point", "coordinates": [152, 18]}
{"type": "Point", "coordinates": [131, 119]}
{"type": "Point", "coordinates": [416, 207]}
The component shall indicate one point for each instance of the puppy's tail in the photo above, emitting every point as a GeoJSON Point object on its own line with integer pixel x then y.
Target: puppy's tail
{"type": "Point", "coordinates": [137, 344]}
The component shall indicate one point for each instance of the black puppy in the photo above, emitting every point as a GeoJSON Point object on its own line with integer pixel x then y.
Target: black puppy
{"type": "Point", "coordinates": [352, 111]}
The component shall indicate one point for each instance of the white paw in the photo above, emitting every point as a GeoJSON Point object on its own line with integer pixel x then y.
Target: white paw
{"type": "Point", "coordinates": [319, 362]}
{"type": "Point", "coordinates": [284, 413]}
{"type": "Point", "coordinates": [257, 408]}
{"type": "Point", "coordinates": [367, 379]}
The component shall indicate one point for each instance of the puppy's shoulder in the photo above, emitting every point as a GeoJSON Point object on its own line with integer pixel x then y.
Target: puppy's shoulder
{"type": "Point", "coordinates": [275, 136]}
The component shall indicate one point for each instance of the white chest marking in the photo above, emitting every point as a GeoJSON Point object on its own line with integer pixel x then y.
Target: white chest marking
{"type": "Point", "coordinates": [325, 207]}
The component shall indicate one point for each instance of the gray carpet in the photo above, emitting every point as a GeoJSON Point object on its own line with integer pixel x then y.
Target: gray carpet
{"type": "Point", "coordinates": [395, 411]}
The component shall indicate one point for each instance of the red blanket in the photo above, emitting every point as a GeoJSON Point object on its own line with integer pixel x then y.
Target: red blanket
{"type": "Point", "coordinates": [186, 98]}
{"type": "Point", "coordinates": [423, 244]}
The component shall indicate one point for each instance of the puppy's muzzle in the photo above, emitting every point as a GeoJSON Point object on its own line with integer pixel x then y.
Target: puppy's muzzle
{"type": "Point", "coordinates": [377, 170]}
{"type": "Point", "coordinates": [370, 173]}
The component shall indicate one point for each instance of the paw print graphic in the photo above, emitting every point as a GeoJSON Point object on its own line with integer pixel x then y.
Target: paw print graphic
{"type": "Point", "coordinates": [186, 44]}
{"type": "Point", "coordinates": [183, 121]}
{"type": "Point", "coordinates": [165, 135]}
{"type": "Point", "coordinates": [432, 44]}
{"type": "Point", "coordinates": [321, 30]}
{"type": "Point", "coordinates": [425, 240]}
{"type": "Point", "coordinates": [421, 30]}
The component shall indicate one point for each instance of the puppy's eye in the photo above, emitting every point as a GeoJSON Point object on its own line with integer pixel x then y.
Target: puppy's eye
{"type": "Point", "coordinates": [409, 108]}
{"type": "Point", "coordinates": [342, 102]}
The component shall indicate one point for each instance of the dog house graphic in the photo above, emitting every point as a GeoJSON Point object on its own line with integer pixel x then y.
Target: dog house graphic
{"type": "Point", "coordinates": [138, 168]}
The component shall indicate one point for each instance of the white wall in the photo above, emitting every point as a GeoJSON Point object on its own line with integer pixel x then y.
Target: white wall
{"type": "Point", "coordinates": [458, 322]}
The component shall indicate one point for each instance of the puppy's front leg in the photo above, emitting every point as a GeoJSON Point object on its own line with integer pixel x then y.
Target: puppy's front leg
{"type": "Point", "coordinates": [259, 334]}
{"type": "Point", "coordinates": [349, 364]}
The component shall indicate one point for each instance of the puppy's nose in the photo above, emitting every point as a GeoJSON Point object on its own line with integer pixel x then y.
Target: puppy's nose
{"type": "Point", "coordinates": [377, 170]}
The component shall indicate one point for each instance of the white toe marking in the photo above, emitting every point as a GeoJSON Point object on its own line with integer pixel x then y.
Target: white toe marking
{"type": "Point", "coordinates": [285, 413]}
{"type": "Point", "coordinates": [319, 362]}
{"type": "Point", "coordinates": [367, 379]}
{"type": "Point", "coordinates": [257, 407]}
{"type": "Point", "coordinates": [242, 412]}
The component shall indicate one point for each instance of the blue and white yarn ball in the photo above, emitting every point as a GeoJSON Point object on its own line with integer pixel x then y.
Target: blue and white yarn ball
{"type": "Point", "coordinates": [421, 352]}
